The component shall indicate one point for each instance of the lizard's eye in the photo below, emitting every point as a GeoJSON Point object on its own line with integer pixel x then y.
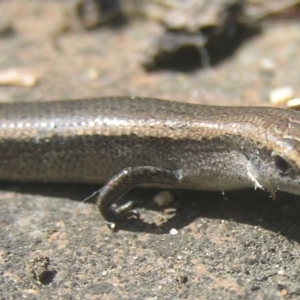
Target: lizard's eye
{"type": "Point", "coordinates": [283, 166]}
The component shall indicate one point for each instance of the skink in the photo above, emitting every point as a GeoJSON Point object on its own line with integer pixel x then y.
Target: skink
{"type": "Point", "coordinates": [127, 142]}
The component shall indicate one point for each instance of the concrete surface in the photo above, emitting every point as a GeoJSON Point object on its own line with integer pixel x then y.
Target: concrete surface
{"type": "Point", "coordinates": [241, 245]}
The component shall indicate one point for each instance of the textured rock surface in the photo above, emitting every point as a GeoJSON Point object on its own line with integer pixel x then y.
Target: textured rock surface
{"type": "Point", "coordinates": [241, 245]}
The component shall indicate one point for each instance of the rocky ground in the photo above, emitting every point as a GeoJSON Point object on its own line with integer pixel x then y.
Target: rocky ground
{"type": "Point", "coordinates": [241, 245]}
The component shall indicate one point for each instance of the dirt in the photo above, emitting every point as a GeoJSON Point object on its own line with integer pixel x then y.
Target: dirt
{"type": "Point", "coordinates": [241, 245]}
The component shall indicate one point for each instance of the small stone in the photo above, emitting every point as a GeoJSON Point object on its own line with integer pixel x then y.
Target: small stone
{"type": "Point", "coordinates": [281, 95]}
{"type": "Point", "coordinates": [173, 231]}
{"type": "Point", "coordinates": [163, 198]}
{"type": "Point", "coordinates": [267, 65]}
{"type": "Point", "coordinates": [39, 269]}
{"type": "Point", "coordinates": [92, 74]}
{"type": "Point", "coordinates": [17, 77]}
{"type": "Point", "coordinates": [293, 103]}
{"type": "Point", "coordinates": [281, 272]}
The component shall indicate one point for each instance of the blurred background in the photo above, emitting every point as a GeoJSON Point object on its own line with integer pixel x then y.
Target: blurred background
{"type": "Point", "coordinates": [215, 52]}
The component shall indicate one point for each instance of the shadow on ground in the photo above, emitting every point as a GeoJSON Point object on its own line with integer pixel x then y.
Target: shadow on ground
{"type": "Point", "coordinates": [246, 206]}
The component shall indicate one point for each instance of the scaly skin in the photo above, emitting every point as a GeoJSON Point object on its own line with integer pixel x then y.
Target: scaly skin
{"type": "Point", "coordinates": [135, 141]}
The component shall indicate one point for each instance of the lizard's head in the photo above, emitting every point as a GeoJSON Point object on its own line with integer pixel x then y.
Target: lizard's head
{"type": "Point", "coordinates": [281, 170]}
